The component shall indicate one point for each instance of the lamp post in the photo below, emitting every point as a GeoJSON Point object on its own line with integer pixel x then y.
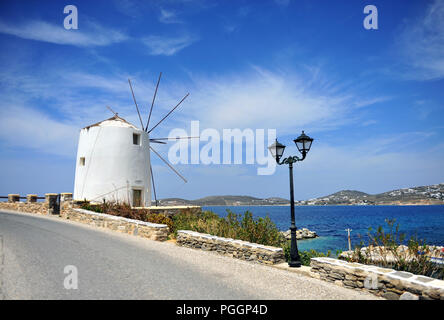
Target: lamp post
{"type": "Point", "coordinates": [303, 143]}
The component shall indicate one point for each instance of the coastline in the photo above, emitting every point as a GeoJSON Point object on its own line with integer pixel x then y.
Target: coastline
{"type": "Point", "coordinates": [322, 205]}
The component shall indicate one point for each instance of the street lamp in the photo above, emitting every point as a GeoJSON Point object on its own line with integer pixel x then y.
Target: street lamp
{"type": "Point", "coordinates": [303, 143]}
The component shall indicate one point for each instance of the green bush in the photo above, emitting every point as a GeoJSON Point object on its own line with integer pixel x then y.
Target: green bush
{"type": "Point", "coordinates": [91, 207]}
{"type": "Point", "coordinates": [414, 256]}
{"type": "Point", "coordinates": [161, 219]}
{"type": "Point", "coordinates": [235, 226]}
{"type": "Point", "coordinates": [124, 210]}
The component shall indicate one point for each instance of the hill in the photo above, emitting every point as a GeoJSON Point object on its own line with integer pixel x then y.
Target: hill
{"type": "Point", "coordinates": [228, 200]}
{"type": "Point", "coordinates": [433, 194]}
{"type": "Point", "coordinates": [427, 195]}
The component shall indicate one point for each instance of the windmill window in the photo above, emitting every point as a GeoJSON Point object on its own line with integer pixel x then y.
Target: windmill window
{"type": "Point", "coordinates": [82, 161]}
{"type": "Point", "coordinates": [136, 139]}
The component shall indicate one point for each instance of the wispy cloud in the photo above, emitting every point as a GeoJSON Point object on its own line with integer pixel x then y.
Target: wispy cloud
{"type": "Point", "coordinates": [43, 31]}
{"type": "Point", "coordinates": [252, 98]}
{"type": "Point", "coordinates": [255, 98]}
{"type": "Point", "coordinates": [168, 46]}
{"type": "Point", "coordinates": [128, 7]}
{"type": "Point", "coordinates": [22, 126]}
{"type": "Point", "coordinates": [259, 98]}
{"type": "Point", "coordinates": [168, 16]}
{"type": "Point", "coordinates": [421, 44]}
{"type": "Point", "coordinates": [69, 101]}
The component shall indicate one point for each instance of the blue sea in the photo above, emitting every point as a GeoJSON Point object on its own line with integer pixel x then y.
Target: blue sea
{"type": "Point", "coordinates": [330, 222]}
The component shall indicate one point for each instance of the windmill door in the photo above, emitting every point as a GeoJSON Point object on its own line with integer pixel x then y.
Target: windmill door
{"type": "Point", "coordinates": [137, 198]}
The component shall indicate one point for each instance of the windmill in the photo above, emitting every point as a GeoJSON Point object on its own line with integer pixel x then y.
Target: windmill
{"type": "Point", "coordinates": [114, 158]}
{"type": "Point", "coordinates": [158, 140]}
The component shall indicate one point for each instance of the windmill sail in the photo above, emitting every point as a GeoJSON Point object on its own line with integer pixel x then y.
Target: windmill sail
{"type": "Point", "coordinates": [168, 164]}
{"type": "Point", "coordinates": [169, 112]}
{"type": "Point", "coordinates": [154, 186]}
{"type": "Point", "coordinates": [156, 140]}
{"type": "Point", "coordinates": [152, 103]}
{"type": "Point", "coordinates": [134, 98]}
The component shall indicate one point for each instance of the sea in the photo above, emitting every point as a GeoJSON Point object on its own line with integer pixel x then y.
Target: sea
{"type": "Point", "coordinates": [330, 222]}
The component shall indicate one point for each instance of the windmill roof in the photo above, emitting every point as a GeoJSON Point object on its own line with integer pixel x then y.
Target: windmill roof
{"type": "Point", "coordinates": [114, 121]}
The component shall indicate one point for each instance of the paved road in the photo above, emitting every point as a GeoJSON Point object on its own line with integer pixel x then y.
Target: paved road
{"type": "Point", "coordinates": [110, 265]}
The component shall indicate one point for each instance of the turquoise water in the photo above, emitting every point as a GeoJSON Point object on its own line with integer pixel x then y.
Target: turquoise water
{"type": "Point", "coordinates": [330, 222]}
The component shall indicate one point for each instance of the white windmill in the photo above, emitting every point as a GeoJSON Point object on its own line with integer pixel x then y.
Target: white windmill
{"type": "Point", "coordinates": [113, 160]}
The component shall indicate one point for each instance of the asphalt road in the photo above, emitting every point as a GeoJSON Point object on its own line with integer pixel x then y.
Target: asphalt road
{"type": "Point", "coordinates": [36, 250]}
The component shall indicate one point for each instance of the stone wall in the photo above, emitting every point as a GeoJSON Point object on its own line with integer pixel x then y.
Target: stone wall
{"type": "Point", "coordinates": [234, 248]}
{"type": "Point", "coordinates": [158, 232]}
{"type": "Point", "coordinates": [153, 231]}
{"type": "Point", "coordinates": [387, 283]}
{"type": "Point", "coordinates": [33, 207]}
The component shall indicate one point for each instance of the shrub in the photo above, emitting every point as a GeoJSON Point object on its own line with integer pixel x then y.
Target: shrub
{"type": "Point", "coordinates": [124, 210]}
{"type": "Point", "coordinates": [91, 207]}
{"type": "Point", "coordinates": [236, 226]}
{"type": "Point", "coordinates": [161, 219]}
{"type": "Point", "coordinates": [387, 249]}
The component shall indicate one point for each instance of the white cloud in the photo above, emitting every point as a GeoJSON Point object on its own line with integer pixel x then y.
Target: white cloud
{"type": "Point", "coordinates": [255, 98]}
{"type": "Point", "coordinates": [421, 44]}
{"type": "Point", "coordinates": [168, 46]}
{"type": "Point", "coordinates": [46, 32]}
{"type": "Point", "coordinates": [168, 17]}
{"type": "Point", "coordinates": [129, 8]}
{"type": "Point", "coordinates": [22, 126]}
{"type": "Point", "coordinates": [69, 102]}
{"type": "Point", "coordinates": [284, 101]}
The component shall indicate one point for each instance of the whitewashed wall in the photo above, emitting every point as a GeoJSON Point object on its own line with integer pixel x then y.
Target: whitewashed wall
{"type": "Point", "coordinates": [113, 164]}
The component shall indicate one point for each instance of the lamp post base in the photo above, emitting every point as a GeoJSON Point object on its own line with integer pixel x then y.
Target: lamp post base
{"type": "Point", "coordinates": [294, 264]}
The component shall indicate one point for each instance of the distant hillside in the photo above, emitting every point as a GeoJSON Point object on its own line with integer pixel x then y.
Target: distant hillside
{"type": "Point", "coordinates": [433, 194]}
{"type": "Point", "coordinates": [226, 201]}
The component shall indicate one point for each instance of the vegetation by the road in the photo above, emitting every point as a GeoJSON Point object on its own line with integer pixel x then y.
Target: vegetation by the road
{"type": "Point", "coordinates": [124, 210]}
{"type": "Point", "coordinates": [264, 231]}
{"type": "Point", "coordinates": [236, 226]}
{"type": "Point", "coordinates": [389, 249]}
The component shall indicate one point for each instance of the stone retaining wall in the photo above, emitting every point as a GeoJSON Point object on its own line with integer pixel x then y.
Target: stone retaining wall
{"type": "Point", "coordinates": [33, 207]}
{"type": "Point", "coordinates": [153, 231]}
{"type": "Point", "coordinates": [388, 283]}
{"type": "Point", "coordinates": [234, 248]}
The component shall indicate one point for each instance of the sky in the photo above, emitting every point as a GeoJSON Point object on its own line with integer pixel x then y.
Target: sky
{"type": "Point", "coordinates": [371, 99]}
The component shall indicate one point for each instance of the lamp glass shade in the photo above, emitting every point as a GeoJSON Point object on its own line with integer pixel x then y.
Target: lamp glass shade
{"type": "Point", "coordinates": [303, 143]}
{"type": "Point", "coordinates": [276, 150]}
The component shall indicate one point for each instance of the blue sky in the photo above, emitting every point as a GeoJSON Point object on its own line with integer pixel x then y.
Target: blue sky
{"type": "Point", "coordinates": [372, 99]}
